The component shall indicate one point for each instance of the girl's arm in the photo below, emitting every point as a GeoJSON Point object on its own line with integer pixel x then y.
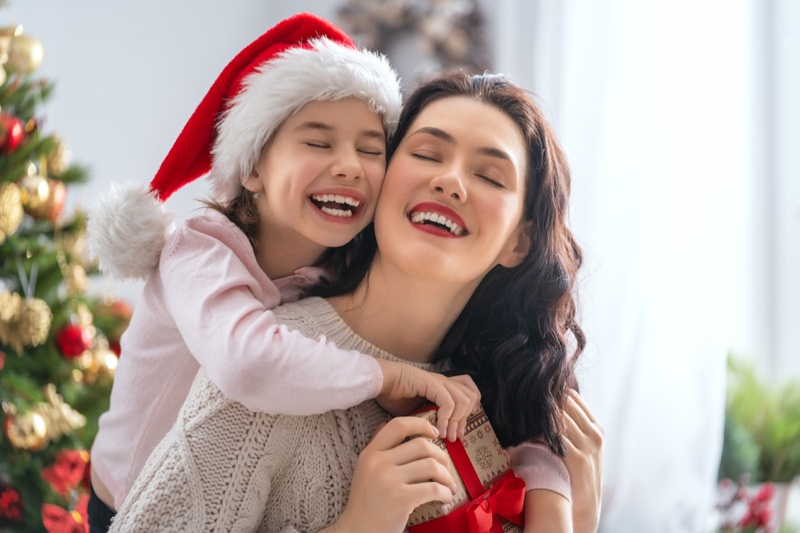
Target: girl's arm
{"type": "Point", "coordinates": [221, 301]}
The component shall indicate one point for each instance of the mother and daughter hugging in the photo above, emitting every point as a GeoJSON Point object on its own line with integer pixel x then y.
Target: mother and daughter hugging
{"type": "Point", "coordinates": [357, 258]}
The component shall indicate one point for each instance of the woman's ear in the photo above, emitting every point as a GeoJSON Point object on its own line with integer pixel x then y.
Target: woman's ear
{"type": "Point", "coordinates": [519, 245]}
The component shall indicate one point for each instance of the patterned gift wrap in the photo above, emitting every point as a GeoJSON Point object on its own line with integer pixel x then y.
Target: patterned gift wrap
{"type": "Point", "coordinates": [489, 497]}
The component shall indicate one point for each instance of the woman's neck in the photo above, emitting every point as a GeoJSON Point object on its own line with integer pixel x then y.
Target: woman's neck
{"type": "Point", "coordinates": [400, 313]}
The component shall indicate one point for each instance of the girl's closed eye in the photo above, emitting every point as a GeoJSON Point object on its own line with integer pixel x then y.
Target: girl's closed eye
{"type": "Point", "coordinates": [371, 151]}
{"type": "Point", "coordinates": [317, 144]}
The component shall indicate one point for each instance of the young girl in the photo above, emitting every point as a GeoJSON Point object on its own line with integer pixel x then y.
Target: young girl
{"type": "Point", "coordinates": [467, 217]}
{"type": "Point", "coordinates": [293, 133]}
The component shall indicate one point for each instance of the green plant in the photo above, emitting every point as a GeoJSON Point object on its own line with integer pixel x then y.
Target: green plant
{"type": "Point", "coordinates": [762, 427]}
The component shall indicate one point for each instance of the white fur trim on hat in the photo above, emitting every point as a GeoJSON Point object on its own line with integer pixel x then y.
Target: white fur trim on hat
{"type": "Point", "coordinates": [127, 230]}
{"type": "Point", "coordinates": [326, 71]}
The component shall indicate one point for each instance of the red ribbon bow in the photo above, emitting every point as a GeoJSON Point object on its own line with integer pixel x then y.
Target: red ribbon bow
{"type": "Point", "coordinates": [506, 499]}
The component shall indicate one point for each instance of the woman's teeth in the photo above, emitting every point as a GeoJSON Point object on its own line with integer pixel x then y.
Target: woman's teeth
{"type": "Point", "coordinates": [439, 220]}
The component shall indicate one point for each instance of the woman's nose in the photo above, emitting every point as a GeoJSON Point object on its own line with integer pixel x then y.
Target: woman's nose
{"type": "Point", "coordinates": [450, 184]}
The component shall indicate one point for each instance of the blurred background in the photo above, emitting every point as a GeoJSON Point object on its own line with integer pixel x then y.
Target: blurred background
{"type": "Point", "coordinates": [679, 120]}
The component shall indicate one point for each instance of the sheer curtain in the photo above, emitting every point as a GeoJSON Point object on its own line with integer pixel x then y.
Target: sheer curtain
{"type": "Point", "coordinates": [653, 101]}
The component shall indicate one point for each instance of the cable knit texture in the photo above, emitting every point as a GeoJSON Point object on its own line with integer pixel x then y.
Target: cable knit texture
{"type": "Point", "coordinates": [225, 468]}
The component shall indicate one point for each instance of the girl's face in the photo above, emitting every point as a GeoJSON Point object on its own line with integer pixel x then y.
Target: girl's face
{"type": "Point", "coordinates": [452, 201]}
{"type": "Point", "coordinates": [321, 174]}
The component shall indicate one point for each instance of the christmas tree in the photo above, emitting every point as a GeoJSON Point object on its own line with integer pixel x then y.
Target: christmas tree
{"type": "Point", "coordinates": [58, 345]}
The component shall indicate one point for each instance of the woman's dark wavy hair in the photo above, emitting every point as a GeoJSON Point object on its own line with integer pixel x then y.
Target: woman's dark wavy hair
{"type": "Point", "coordinates": [517, 336]}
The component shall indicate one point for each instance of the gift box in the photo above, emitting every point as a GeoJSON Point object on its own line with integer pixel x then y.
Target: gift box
{"type": "Point", "coordinates": [489, 497]}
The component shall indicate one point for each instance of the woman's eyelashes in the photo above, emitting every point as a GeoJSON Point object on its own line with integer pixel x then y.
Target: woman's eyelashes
{"type": "Point", "coordinates": [425, 157]}
{"type": "Point", "coordinates": [492, 182]}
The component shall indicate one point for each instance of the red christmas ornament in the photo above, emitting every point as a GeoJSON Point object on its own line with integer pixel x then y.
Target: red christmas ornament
{"type": "Point", "coordinates": [12, 132]}
{"type": "Point", "coordinates": [74, 339]}
{"type": "Point", "coordinates": [10, 506]}
{"type": "Point", "coordinates": [67, 472]}
{"type": "Point", "coordinates": [59, 520]}
{"type": "Point", "coordinates": [3, 359]}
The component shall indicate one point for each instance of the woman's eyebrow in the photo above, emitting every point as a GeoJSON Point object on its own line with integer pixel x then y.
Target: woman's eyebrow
{"type": "Point", "coordinates": [436, 132]}
{"type": "Point", "coordinates": [443, 135]}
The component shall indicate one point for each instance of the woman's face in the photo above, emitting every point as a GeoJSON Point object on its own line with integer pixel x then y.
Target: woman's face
{"type": "Point", "coordinates": [452, 200]}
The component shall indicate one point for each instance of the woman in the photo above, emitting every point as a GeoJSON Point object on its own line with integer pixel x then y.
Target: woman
{"type": "Point", "coordinates": [473, 208]}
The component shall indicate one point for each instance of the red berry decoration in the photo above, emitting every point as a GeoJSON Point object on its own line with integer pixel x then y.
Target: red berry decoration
{"type": "Point", "coordinates": [10, 506]}
{"type": "Point", "coordinates": [74, 339]}
{"type": "Point", "coordinates": [12, 132]}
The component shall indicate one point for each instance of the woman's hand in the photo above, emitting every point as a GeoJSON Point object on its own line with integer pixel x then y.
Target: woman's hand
{"type": "Point", "coordinates": [394, 476]}
{"type": "Point", "coordinates": [584, 460]}
{"type": "Point", "coordinates": [404, 386]}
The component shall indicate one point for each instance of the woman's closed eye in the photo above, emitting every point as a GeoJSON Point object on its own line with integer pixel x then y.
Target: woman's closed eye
{"type": "Point", "coordinates": [425, 156]}
{"type": "Point", "coordinates": [491, 181]}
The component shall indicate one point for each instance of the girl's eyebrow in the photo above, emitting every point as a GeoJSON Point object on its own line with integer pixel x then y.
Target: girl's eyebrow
{"type": "Point", "coordinates": [314, 125]}
{"type": "Point", "coordinates": [446, 137]}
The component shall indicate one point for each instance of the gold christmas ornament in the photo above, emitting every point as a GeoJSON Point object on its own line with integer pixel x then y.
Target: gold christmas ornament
{"type": "Point", "coordinates": [29, 322]}
{"type": "Point", "coordinates": [6, 34]}
{"type": "Point", "coordinates": [3, 75]}
{"type": "Point", "coordinates": [9, 307]}
{"type": "Point", "coordinates": [76, 281]}
{"type": "Point", "coordinates": [59, 159]}
{"type": "Point", "coordinates": [11, 211]}
{"type": "Point", "coordinates": [61, 419]}
{"type": "Point", "coordinates": [106, 362]}
{"type": "Point", "coordinates": [34, 188]}
{"type": "Point", "coordinates": [25, 54]}
{"type": "Point", "coordinates": [74, 244]}
{"type": "Point", "coordinates": [26, 431]}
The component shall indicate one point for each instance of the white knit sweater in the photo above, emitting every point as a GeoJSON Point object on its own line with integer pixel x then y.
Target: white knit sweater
{"type": "Point", "coordinates": [225, 468]}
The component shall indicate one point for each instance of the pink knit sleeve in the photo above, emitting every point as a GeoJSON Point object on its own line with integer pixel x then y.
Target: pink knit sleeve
{"type": "Point", "coordinates": [540, 468]}
{"type": "Point", "coordinates": [220, 300]}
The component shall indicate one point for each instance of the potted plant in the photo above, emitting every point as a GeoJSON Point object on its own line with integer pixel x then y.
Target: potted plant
{"type": "Point", "coordinates": [762, 437]}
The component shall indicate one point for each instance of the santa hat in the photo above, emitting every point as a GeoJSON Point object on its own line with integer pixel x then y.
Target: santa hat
{"type": "Point", "coordinates": [302, 59]}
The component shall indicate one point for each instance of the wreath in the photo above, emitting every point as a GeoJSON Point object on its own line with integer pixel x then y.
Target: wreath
{"type": "Point", "coordinates": [447, 33]}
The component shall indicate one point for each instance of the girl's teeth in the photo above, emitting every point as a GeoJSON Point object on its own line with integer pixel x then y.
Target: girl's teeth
{"type": "Point", "coordinates": [336, 212]}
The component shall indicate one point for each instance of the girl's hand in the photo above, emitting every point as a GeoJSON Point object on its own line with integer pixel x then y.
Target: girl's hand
{"type": "Point", "coordinates": [404, 386]}
{"type": "Point", "coordinates": [394, 476]}
{"type": "Point", "coordinates": [584, 460]}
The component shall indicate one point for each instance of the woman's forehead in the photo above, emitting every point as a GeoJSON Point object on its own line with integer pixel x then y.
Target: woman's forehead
{"type": "Point", "coordinates": [464, 120]}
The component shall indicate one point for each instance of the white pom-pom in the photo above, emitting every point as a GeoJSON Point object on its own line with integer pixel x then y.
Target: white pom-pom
{"type": "Point", "coordinates": [127, 231]}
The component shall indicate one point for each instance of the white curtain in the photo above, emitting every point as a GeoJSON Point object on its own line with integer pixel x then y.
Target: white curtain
{"type": "Point", "coordinates": [654, 103]}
